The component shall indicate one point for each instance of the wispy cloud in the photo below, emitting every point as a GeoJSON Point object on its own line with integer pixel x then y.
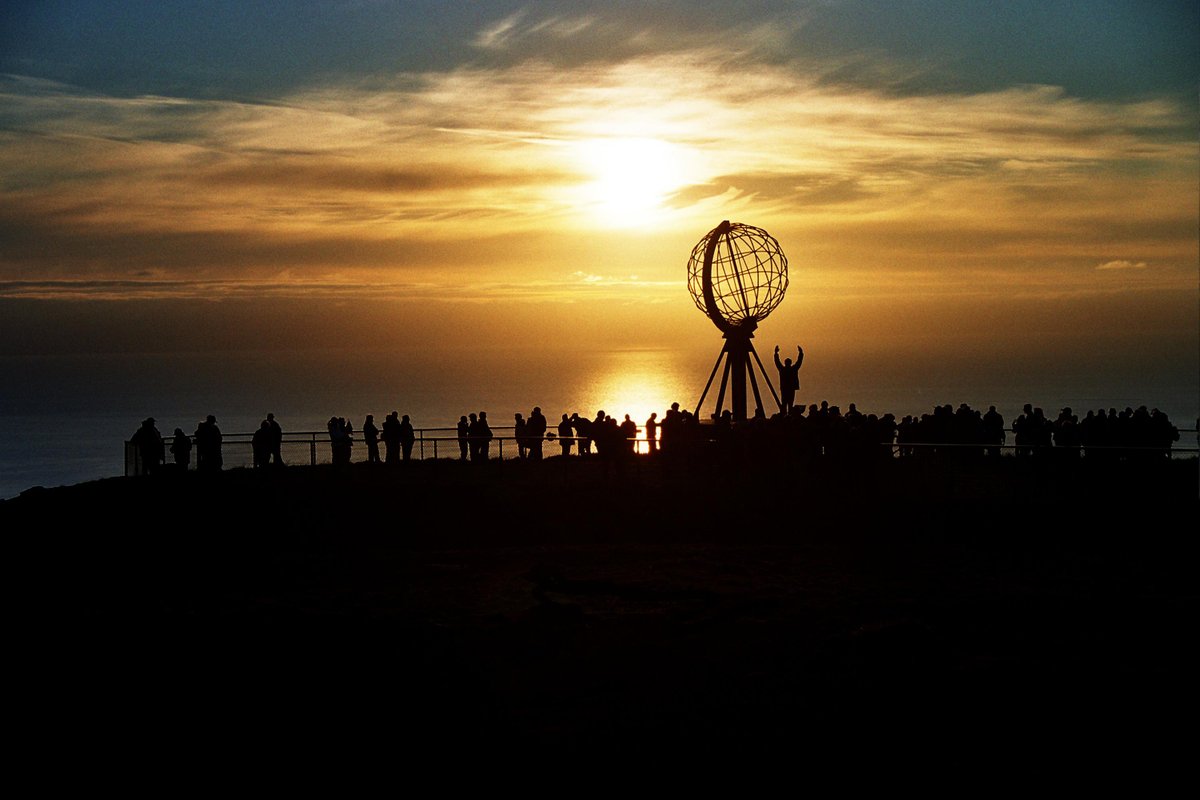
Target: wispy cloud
{"type": "Point", "coordinates": [485, 170]}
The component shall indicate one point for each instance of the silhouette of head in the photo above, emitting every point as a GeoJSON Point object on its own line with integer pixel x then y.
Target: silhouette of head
{"type": "Point", "coordinates": [210, 418]}
{"type": "Point", "coordinates": [787, 362]}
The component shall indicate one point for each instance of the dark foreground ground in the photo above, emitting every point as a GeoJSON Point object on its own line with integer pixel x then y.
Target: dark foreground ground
{"type": "Point", "coordinates": [574, 608]}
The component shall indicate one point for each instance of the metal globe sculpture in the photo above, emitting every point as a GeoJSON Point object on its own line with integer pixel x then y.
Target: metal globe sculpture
{"type": "Point", "coordinates": [737, 275]}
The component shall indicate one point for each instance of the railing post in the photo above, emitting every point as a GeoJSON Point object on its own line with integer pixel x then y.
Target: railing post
{"type": "Point", "coordinates": [312, 450]}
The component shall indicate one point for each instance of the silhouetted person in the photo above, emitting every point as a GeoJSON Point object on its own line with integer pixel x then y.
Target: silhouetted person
{"type": "Point", "coordinates": [536, 428]}
{"type": "Point", "coordinates": [463, 429]}
{"type": "Point", "coordinates": [149, 444]}
{"type": "Point", "coordinates": [341, 440]}
{"type": "Point", "coordinates": [789, 378]}
{"type": "Point", "coordinates": [629, 431]}
{"type": "Point", "coordinates": [208, 445]}
{"type": "Point", "coordinates": [564, 435]}
{"type": "Point", "coordinates": [276, 440]}
{"type": "Point", "coordinates": [371, 437]}
{"type": "Point", "coordinates": [520, 433]}
{"type": "Point", "coordinates": [600, 434]}
{"type": "Point", "coordinates": [261, 445]}
{"type": "Point", "coordinates": [181, 448]}
{"type": "Point", "coordinates": [473, 435]}
{"type": "Point", "coordinates": [485, 436]}
{"type": "Point", "coordinates": [407, 437]}
{"type": "Point", "coordinates": [993, 431]}
{"type": "Point", "coordinates": [391, 438]}
{"type": "Point", "coordinates": [583, 428]}
{"type": "Point", "coordinates": [651, 427]}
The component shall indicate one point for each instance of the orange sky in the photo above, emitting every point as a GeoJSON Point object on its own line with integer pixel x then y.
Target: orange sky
{"type": "Point", "coordinates": [542, 178]}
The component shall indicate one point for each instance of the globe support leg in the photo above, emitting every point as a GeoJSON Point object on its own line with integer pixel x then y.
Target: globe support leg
{"type": "Point", "coordinates": [736, 353]}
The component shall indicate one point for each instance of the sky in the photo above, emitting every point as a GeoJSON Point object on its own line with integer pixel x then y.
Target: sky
{"type": "Point", "coordinates": [979, 181]}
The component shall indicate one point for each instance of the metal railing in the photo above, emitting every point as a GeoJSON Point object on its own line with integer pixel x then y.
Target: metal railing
{"type": "Point", "coordinates": [315, 447]}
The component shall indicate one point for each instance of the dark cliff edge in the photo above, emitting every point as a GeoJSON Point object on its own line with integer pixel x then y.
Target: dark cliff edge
{"type": "Point", "coordinates": [582, 606]}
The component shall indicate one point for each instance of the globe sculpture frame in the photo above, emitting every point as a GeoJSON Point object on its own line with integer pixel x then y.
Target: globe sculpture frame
{"type": "Point", "coordinates": [737, 275]}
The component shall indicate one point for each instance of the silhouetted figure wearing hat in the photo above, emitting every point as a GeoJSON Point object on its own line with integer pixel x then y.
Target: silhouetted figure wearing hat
{"type": "Point", "coordinates": [789, 378]}
{"type": "Point", "coordinates": [149, 444]}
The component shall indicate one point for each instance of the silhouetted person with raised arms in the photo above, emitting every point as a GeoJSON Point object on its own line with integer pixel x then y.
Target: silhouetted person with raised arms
{"type": "Point", "coordinates": [276, 440]}
{"type": "Point", "coordinates": [371, 437]}
{"type": "Point", "coordinates": [536, 428]}
{"type": "Point", "coordinates": [149, 444]}
{"type": "Point", "coordinates": [181, 449]}
{"type": "Point", "coordinates": [789, 378]}
{"type": "Point", "coordinates": [463, 429]}
{"type": "Point", "coordinates": [407, 437]}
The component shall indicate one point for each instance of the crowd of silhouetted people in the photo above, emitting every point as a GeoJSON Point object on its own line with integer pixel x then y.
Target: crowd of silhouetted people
{"type": "Point", "coordinates": [818, 431]}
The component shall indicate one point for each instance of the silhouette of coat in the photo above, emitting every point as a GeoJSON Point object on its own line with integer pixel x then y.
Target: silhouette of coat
{"type": "Point", "coordinates": [181, 449]}
{"type": "Point", "coordinates": [149, 444]}
{"type": "Point", "coordinates": [407, 437]}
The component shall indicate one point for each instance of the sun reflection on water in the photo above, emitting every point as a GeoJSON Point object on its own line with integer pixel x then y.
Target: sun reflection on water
{"type": "Point", "coordinates": [639, 384]}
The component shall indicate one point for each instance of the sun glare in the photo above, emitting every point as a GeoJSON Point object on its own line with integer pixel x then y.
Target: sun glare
{"type": "Point", "coordinates": [631, 178]}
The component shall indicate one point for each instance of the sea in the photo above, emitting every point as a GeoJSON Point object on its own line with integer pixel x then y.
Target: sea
{"type": "Point", "coordinates": [65, 419]}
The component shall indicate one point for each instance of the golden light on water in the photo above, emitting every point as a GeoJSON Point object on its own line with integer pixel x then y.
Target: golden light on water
{"type": "Point", "coordinates": [640, 384]}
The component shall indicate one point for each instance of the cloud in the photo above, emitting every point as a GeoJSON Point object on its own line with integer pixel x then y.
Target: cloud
{"type": "Point", "coordinates": [487, 170]}
{"type": "Point", "coordinates": [1122, 264]}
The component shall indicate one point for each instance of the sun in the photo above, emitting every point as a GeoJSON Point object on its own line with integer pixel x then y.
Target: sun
{"type": "Point", "coordinates": [632, 177]}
